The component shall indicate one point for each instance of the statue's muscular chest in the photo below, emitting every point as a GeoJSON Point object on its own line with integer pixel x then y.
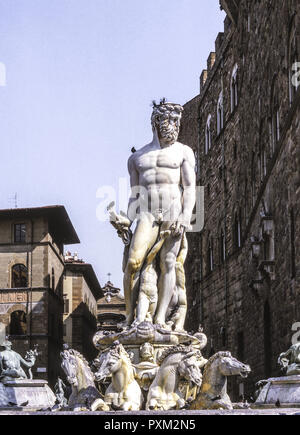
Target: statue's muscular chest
{"type": "Point", "coordinates": [9, 359]}
{"type": "Point", "coordinates": [168, 158]}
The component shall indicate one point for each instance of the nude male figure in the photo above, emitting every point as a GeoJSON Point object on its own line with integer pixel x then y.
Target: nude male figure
{"type": "Point", "coordinates": [10, 363]}
{"type": "Point", "coordinates": [163, 174]}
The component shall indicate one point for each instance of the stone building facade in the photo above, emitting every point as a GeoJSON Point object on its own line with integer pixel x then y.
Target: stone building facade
{"type": "Point", "coordinates": [243, 275]}
{"type": "Point", "coordinates": [31, 282]}
{"type": "Point", "coordinates": [111, 308]}
{"type": "Point", "coordinates": [81, 290]}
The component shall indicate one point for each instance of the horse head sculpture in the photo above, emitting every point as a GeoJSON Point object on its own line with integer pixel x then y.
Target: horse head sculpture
{"type": "Point", "coordinates": [189, 368]}
{"type": "Point", "coordinates": [81, 379]}
{"type": "Point", "coordinates": [213, 394]}
{"type": "Point", "coordinates": [123, 393]}
{"type": "Point", "coordinates": [176, 363]}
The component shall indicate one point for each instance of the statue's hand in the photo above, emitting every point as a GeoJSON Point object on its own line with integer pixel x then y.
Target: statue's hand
{"type": "Point", "coordinates": [181, 225]}
{"type": "Point", "coordinates": [30, 358]}
{"type": "Point", "coordinates": [122, 224]}
{"type": "Point", "coordinates": [178, 229]}
{"type": "Point", "coordinates": [122, 221]}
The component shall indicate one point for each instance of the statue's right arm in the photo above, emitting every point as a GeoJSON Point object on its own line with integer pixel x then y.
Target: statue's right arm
{"type": "Point", "coordinates": [134, 185]}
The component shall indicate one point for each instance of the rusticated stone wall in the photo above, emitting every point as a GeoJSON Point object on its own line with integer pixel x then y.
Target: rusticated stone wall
{"type": "Point", "coordinates": [243, 276]}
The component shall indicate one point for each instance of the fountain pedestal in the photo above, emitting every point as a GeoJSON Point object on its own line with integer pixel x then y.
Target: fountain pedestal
{"type": "Point", "coordinates": [26, 393]}
{"type": "Point", "coordinates": [285, 389]}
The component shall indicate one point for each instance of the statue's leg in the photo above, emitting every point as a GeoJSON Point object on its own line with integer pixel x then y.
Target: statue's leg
{"type": "Point", "coordinates": [182, 301]}
{"type": "Point", "coordinates": [142, 308]}
{"type": "Point", "coordinates": [181, 313]}
{"type": "Point", "coordinates": [153, 305]}
{"type": "Point", "coordinates": [167, 279]}
{"type": "Point", "coordinates": [144, 237]}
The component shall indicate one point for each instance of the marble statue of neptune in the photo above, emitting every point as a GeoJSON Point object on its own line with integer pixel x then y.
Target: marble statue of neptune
{"type": "Point", "coordinates": [162, 176]}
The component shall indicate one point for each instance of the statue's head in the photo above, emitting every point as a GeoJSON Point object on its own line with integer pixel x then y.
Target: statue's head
{"type": "Point", "coordinates": [147, 352]}
{"type": "Point", "coordinates": [166, 121]}
{"type": "Point", "coordinates": [189, 368]}
{"type": "Point", "coordinates": [7, 344]}
{"type": "Point", "coordinates": [228, 365]}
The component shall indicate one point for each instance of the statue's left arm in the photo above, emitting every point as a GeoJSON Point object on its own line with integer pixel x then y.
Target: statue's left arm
{"type": "Point", "coordinates": [188, 179]}
{"type": "Point", "coordinates": [29, 363]}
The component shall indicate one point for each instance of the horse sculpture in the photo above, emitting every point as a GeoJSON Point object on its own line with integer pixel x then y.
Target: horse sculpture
{"type": "Point", "coordinates": [290, 360]}
{"type": "Point", "coordinates": [176, 363]}
{"type": "Point", "coordinates": [124, 393]}
{"type": "Point", "coordinates": [213, 393]}
{"type": "Point", "coordinates": [82, 380]}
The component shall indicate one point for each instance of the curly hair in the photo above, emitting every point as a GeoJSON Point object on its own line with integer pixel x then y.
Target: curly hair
{"type": "Point", "coordinates": [165, 108]}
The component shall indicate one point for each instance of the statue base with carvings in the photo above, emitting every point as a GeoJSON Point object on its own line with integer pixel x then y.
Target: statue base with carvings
{"type": "Point", "coordinates": [26, 393]}
{"type": "Point", "coordinates": [134, 337]}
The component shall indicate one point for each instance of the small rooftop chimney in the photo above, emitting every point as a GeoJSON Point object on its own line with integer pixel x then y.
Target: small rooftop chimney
{"type": "Point", "coordinates": [203, 79]}
{"type": "Point", "coordinates": [211, 61]}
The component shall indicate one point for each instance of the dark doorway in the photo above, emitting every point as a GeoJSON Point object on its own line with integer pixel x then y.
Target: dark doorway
{"type": "Point", "coordinates": [18, 323]}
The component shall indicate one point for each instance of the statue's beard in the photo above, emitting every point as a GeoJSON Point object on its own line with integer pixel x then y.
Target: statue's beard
{"type": "Point", "coordinates": [168, 133]}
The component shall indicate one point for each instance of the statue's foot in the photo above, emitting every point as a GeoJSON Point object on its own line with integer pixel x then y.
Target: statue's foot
{"type": "Point", "coordinates": [180, 329]}
{"type": "Point", "coordinates": [163, 325]}
{"type": "Point", "coordinates": [124, 325]}
{"type": "Point", "coordinates": [137, 322]}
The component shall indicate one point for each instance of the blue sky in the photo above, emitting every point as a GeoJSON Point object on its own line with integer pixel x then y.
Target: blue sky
{"type": "Point", "coordinates": [81, 75]}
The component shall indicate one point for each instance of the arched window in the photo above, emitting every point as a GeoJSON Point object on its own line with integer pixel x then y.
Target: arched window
{"type": "Point", "coordinates": [222, 247]}
{"type": "Point", "coordinates": [262, 152]}
{"type": "Point", "coordinates": [293, 246]}
{"type": "Point", "coordinates": [235, 150]}
{"type": "Point", "coordinates": [208, 135]}
{"type": "Point", "coordinates": [220, 114]}
{"type": "Point", "coordinates": [263, 163]}
{"type": "Point", "coordinates": [201, 258]}
{"type": "Point", "coordinates": [234, 88]}
{"type": "Point", "coordinates": [253, 180]}
{"type": "Point", "coordinates": [237, 230]}
{"type": "Point", "coordinates": [274, 126]}
{"type": "Point", "coordinates": [274, 121]}
{"type": "Point", "coordinates": [269, 239]}
{"type": "Point", "coordinates": [246, 199]}
{"type": "Point", "coordinates": [66, 304]}
{"type": "Point", "coordinates": [210, 255]}
{"type": "Point", "coordinates": [17, 324]}
{"type": "Point", "coordinates": [293, 60]}
{"type": "Point", "coordinates": [19, 276]}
